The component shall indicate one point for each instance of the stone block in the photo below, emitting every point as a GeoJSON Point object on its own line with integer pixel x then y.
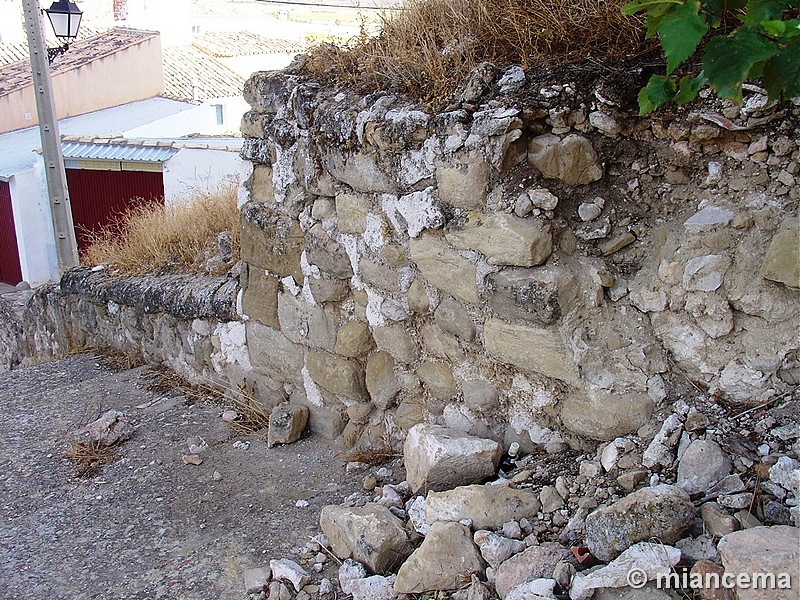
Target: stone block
{"type": "Point", "coordinates": [352, 211]}
{"type": "Point", "coordinates": [338, 375]}
{"type": "Point", "coordinates": [782, 261]}
{"type": "Point", "coordinates": [360, 171]}
{"type": "Point", "coordinates": [487, 506]}
{"type": "Point", "coordinates": [418, 301]}
{"type": "Point", "coordinates": [260, 296]}
{"type": "Point", "coordinates": [531, 349]}
{"type": "Point", "coordinates": [271, 240]}
{"type": "Point", "coordinates": [327, 254]}
{"type": "Point", "coordinates": [305, 323]}
{"type": "Point", "coordinates": [438, 379]}
{"type": "Point", "coordinates": [537, 562]}
{"type": "Point", "coordinates": [286, 424]}
{"type": "Point", "coordinates": [541, 295]}
{"type": "Point", "coordinates": [354, 339]}
{"type": "Point", "coordinates": [256, 579]}
{"type": "Point", "coordinates": [453, 318]}
{"type": "Point", "coordinates": [438, 458]}
{"type": "Point", "coordinates": [446, 560]}
{"type": "Point", "coordinates": [444, 268]}
{"type": "Point", "coordinates": [327, 289]}
{"type": "Point", "coordinates": [600, 415]}
{"type": "Point", "coordinates": [371, 535]}
{"type": "Point", "coordinates": [381, 381]}
{"type": "Point", "coordinates": [572, 160]}
{"type": "Point", "coordinates": [260, 185]}
{"type": "Point", "coordinates": [274, 354]}
{"type": "Point", "coordinates": [480, 395]}
{"type": "Point", "coordinates": [378, 275]}
{"type": "Point", "coordinates": [255, 124]}
{"type": "Point", "coordinates": [463, 184]}
{"type": "Point", "coordinates": [504, 239]}
{"type": "Point", "coordinates": [269, 91]}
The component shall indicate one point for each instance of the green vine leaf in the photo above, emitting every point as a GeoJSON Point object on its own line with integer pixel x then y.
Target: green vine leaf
{"type": "Point", "coordinates": [659, 90]}
{"type": "Point", "coordinates": [728, 60]}
{"type": "Point", "coordinates": [782, 73]}
{"type": "Point", "coordinates": [681, 31]}
{"type": "Point", "coordinates": [688, 87]}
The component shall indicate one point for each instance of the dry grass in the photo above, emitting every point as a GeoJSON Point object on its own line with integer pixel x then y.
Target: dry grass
{"type": "Point", "coordinates": [428, 48]}
{"type": "Point", "coordinates": [155, 238]}
{"type": "Point", "coordinates": [88, 458]}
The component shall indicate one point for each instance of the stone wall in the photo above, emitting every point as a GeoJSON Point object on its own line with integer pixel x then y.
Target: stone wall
{"type": "Point", "coordinates": [537, 263]}
{"type": "Point", "coordinates": [187, 323]}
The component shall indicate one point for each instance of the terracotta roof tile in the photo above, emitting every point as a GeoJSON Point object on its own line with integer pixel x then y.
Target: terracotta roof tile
{"type": "Point", "coordinates": [225, 44]}
{"type": "Point", "coordinates": [190, 73]}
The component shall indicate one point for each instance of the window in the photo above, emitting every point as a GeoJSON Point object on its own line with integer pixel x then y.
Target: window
{"type": "Point", "coordinates": [220, 115]}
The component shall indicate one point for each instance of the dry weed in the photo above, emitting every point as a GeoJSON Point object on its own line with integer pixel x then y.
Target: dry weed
{"type": "Point", "coordinates": [373, 457]}
{"type": "Point", "coordinates": [153, 238]}
{"type": "Point", "coordinates": [429, 47]}
{"type": "Point", "coordinates": [253, 416]}
{"type": "Point", "coordinates": [88, 458]}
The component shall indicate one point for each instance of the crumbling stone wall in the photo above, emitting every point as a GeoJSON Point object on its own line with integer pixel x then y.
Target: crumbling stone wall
{"type": "Point", "coordinates": [538, 263]}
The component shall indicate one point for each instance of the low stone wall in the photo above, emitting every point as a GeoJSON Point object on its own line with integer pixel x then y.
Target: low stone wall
{"type": "Point", "coordinates": [538, 263]}
{"type": "Point", "coordinates": [187, 323]}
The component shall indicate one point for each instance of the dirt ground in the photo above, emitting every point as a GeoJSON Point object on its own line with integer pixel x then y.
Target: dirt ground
{"type": "Point", "coordinates": [146, 526]}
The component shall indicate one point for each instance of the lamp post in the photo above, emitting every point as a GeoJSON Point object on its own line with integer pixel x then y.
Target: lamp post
{"type": "Point", "coordinates": [65, 18]}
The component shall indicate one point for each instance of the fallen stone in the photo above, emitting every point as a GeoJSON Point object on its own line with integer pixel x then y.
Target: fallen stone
{"type": "Point", "coordinates": [786, 473]}
{"type": "Point", "coordinates": [286, 424]}
{"type": "Point", "coordinates": [256, 579]}
{"type": "Point", "coordinates": [645, 559]}
{"type": "Point", "coordinates": [764, 550]}
{"type": "Point", "coordinates": [746, 519]}
{"type": "Point", "coordinates": [112, 427]}
{"type": "Point", "coordinates": [446, 560]}
{"type": "Point", "coordinates": [661, 450]}
{"type": "Point", "coordinates": [538, 589]}
{"type": "Point", "coordinates": [487, 506]}
{"type": "Point", "coordinates": [372, 535]}
{"type": "Point", "coordinates": [550, 498]}
{"type": "Point", "coordinates": [288, 570]}
{"type": "Point", "coordinates": [716, 521]}
{"type": "Point", "coordinates": [703, 465]}
{"type": "Point", "coordinates": [350, 571]}
{"type": "Point", "coordinates": [438, 458]}
{"type": "Point", "coordinates": [663, 512]}
{"type": "Point", "coordinates": [375, 587]}
{"type": "Point", "coordinates": [537, 562]}
{"type": "Point", "coordinates": [191, 459]}
{"type": "Point", "coordinates": [496, 548]}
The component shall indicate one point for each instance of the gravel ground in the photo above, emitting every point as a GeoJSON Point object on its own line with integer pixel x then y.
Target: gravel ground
{"type": "Point", "coordinates": [146, 526]}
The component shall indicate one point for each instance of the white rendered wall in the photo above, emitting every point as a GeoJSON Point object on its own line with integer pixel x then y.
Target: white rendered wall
{"type": "Point", "coordinates": [192, 170]}
{"type": "Point", "coordinates": [201, 119]}
{"type": "Point", "coordinates": [34, 226]}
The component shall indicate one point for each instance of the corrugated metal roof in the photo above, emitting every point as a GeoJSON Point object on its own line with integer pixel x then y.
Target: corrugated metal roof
{"type": "Point", "coordinates": [121, 152]}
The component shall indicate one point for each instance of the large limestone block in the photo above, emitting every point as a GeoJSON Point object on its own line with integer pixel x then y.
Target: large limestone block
{"type": "Point", "coordinates": [371, 535]}
{"type": "Point", "coordinates": [327, 254]}
{"type": "Point", "coordinates": [271, 240]}
{"type": "Point", "coordinates": [487, 506]}
{"type": "Point", "coordinates": [438, 458]}
{"type": "Point", "coordinates": [463, 184]}
{"type": "Point", "coordinates": [446, 560]}
{"type": "Point", "coordinates": [504, 239]}
{"type": "Point", "coordinates": [359, 171]}
{"type": "Point", "coordinates": [532, 349]}
{"type": "Point", "coordinates": [381, 381]}
{"type": "Point", "coordinates": [605, 415]}
{"type": "Point", "coordinates": [537, 562]}
{"type": "Point", "coordinates": [542, 295]}
{"type": "Point", "coordinates": [768, 550]}
{"type": "Point", "coordinates": [305, 323]}
{"type": "Point", "coordinates": [260, 296]}
{"type": "Point", "coordinates": [782, 262]}
{"type": "Point", "coordinates": [662, 512]}
{"type": "Point", "coordinates": [572, 160]}
{"type": "Point", "coordinates": [444, 268]}
{"type": "Point", "coordinates": [269, 91]}
{"type": "Point", "coordinates": [274, 354]}
{"type": "Point", "coordinates": [338, 375]}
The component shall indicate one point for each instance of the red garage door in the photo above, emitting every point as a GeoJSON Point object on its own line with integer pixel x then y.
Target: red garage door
{"type": "Point", "coordinates": [98, 197]}
{"type": "Point", "coordinates": [10, 271]}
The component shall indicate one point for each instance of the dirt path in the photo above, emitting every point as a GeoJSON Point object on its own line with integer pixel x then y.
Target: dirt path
{"type": "Point", "coordinates": [147, 526]}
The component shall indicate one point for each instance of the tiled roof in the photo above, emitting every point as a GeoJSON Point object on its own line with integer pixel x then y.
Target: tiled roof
{"type": "Point", "coordinates": [15, 51]}
{"type": "Point", "coordinates": [190, 73]}
{"type": "Point", "coordinates": [225, 44]}
{"type": "Point", "coordinates": [18, 74]}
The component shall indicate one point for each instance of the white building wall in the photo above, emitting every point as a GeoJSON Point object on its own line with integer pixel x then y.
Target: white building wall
{"type": "Point", "coordinates": [34, 227]}
{"type": "Point", "coordinates": [192, 170]}
{"type": "Point", "coordinates": [201, 119]}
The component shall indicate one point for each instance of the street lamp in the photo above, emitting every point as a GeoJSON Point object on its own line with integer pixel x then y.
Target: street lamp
{"type": "Point", "coordinates": [65, 18]}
